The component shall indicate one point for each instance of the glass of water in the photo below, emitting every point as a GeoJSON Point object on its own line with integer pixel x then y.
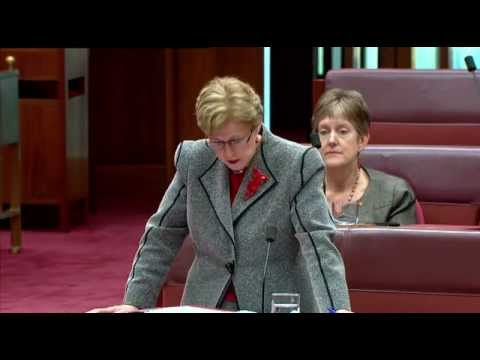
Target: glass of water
{"type": "Point", "coordinates": [285, 303]}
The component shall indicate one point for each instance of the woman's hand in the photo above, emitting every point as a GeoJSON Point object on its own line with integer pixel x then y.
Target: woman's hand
{"type": "Point", "coordinates": [116, 309]}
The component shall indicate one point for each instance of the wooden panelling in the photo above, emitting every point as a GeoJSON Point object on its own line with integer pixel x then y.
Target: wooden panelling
{"type": "Point", "coordinates": [194, 67]}
{"type": "Point", "coordinates": [13, 211]}
{"type": "Point", "coordinates": [317, 91]}
{"type": "Point", "coordinates": [36, 63]}
{"type": "Point", "coordinates": [170, 113]}
{"type": "Point", "coordinates": [42, 149]}
{"type": "Point", "coordinates": [142, 104]}
{"type": "Point", "coordinates": [53, 129]}
{"type": "Point", "coordinates": [242, 62]}
{"type": "Point", "coordinates": [77, 178]}
{"type": "Point", "coordinates": [131, 181]}
{"type": "Point", "coordinates": [404, 57]}
{"type": "Point", "coordinates": [197, 66]}
{"type": "Point", "coordinates": [444, 58]}
{"type": "Point", "coordinates": [127, 105]}
{"type": "Point", "coordinates": [395, 57]}
{"type": "Point", "coordinates": [387, 57]}
{"type": "Point", "coordinates": [6, 161]}
{"type": "Point", "coordinates": [347, 61]}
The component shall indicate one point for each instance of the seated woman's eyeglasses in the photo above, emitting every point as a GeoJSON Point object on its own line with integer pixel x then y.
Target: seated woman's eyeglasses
{"type": "Point", "coordinates": [344, 133]}
{"type": "Point", "coordinates": [234, 144]}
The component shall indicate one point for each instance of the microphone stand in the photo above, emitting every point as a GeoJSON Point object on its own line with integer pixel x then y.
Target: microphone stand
{"type": "Point", "coordinates": [269, 241]}
{"type": "Point", "coordinates": [471, 67]}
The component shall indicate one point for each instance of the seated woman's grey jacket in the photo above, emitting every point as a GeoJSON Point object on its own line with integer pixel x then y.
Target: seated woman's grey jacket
{"type": "Point", "coordinates": [229, 241]}
{"type": "Point", "coordinates": [387, 199]}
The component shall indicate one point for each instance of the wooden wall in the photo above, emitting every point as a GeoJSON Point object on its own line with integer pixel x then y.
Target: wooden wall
{"type": "Point", "coordinates": [53, 132]}
{"type": "Point", "coordinates": [142, 105]}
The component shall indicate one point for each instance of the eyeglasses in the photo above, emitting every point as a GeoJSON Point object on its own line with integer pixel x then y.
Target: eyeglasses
{"type": "Point", "coordinates": [234, 144]}
{"type": "Point", "coordinates": [325, 134]}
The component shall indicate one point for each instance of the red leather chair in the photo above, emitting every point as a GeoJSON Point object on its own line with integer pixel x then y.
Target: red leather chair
{"type": "Point", "coordinates": [171, 293]}
{"type": "Point", "coordinates": [406, 269]}
{"type": "Point", "coordinates": [445, 181]}
{"type": "Point", "coordinates": [445, 178]}
{"type": "Point", "coordinates": [430, 107]}
{"type": "Point", "coordinates": [411, 269]}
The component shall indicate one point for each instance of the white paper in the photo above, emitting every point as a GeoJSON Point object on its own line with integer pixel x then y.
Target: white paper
{"type": "Point", "coordinates": [183, 309]}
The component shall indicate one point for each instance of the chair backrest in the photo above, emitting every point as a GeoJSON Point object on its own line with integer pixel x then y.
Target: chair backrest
{"type": "Point", "coordinates": [420, 213]}
{"type": "Point", "coordinates": [445, 178]}
{"type": "Point", "coordinates": [181, 265]}
{"type": "Point", "coordinates": [407, 269]}
{"type": "Point", "coordinates": [429, 107]}
{"type": "Point", "coordinates": [172, 290]}
{"type": "Point", "coordinates": [410, 269]}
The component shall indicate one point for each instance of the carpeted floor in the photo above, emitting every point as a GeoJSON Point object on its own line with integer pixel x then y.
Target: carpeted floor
{"type": "Point", "coordinates": [73, 271]}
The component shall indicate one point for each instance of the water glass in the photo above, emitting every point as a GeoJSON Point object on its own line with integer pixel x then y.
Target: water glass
{"type": "Point", "coordinates": [285, 303]}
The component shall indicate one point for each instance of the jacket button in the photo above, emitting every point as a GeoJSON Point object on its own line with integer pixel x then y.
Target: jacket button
{"type": "Point", "coordinates": [230, 267]}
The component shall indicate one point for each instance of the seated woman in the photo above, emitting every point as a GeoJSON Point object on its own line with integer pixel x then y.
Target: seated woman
{"type": "Point", "coordinates": [356, 194]}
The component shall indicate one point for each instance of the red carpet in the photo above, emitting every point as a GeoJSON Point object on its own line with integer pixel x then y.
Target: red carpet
{"type": "Point", "coordinates": [73, 271]}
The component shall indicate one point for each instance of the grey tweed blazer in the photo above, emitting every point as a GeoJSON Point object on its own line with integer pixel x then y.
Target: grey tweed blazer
{"type": "Point", "coordinates": [387, 199]}
{"type": "Point", "coordinates": [229, 241]}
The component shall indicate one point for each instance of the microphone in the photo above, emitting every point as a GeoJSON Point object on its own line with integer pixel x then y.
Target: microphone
{"type": "Point", "coordinates": [315, 140]}
{"type": "Point", "coordinates": [472, 68]}
{"type": "Point", "coordinates": [271, 232]}
{"type": "Point", "coordinates": [470, 63]}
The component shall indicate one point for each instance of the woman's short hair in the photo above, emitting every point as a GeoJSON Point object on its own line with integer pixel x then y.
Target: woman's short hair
{"type": "Point", "coordinates": [227, 98]}
{"type": "Point", "coordinates": [347, 104]}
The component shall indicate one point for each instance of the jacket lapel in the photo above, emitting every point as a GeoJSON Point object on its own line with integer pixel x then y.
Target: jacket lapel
{"type": "Point", "coordinates": [243, 203]}
{"type": "Point", "coordinates": [215, 183]}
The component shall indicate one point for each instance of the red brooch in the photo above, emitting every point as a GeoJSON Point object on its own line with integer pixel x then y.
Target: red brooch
{"type": "Point", "coordinates": [257, 179]}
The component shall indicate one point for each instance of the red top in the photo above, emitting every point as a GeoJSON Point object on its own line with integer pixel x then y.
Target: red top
{"type": "Point", "coordinates": [235, 182]}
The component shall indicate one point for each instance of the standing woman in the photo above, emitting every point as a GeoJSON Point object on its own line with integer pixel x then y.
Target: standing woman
{"type": "Point", "coordinates": [227, 191]}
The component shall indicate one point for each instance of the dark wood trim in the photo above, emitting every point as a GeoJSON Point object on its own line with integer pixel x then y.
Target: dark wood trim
{"type": "Point", "coordinates": [317, 90]}
{"type": "Point", "coordinates": [443, 61]}
{"type": "Point", "coordinates": [395, 57]}
{"type": "Point", "coordinates": [403, 57]}
{"type": "Point", "coordinates": [171, 114]}
{"type": "Point", "coordinates": [139, 114]}
{"type": "Point", "coordinates": [386, 57]}
{"type": "Point", "coordinates": [131, 181]}
{"type": "Point", "coordinates": [347, 57]}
